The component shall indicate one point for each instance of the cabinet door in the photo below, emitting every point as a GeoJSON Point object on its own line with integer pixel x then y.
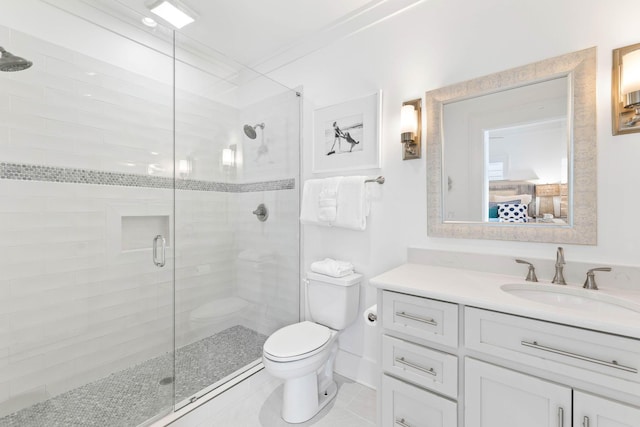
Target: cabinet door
{"type": "Point", "coordinates": [594, 411]}
{"type": "Point", "coordinates": [499, 397]}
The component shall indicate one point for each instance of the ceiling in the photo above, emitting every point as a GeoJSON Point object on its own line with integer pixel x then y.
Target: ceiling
{"type": "Point", "coordinates": [250, 31]}
{"type": "Point", "coordinates": [264, 35]}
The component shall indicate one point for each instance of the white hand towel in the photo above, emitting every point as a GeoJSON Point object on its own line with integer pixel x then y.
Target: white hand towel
{"type": "Point", "coordinates": [353, 203]}
{"type": "Point", "coordinates": [309, 204]}
{"type": "Point", "coordinates": [332, 267]}
{"type": "Point", "coordinates": [327, 208]}
{"type": "Point", "coordinates": [311, 211]}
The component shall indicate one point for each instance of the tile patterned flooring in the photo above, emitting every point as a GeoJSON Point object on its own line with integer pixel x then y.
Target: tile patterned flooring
{"type": "Point", "coordinates": [354, 406]}
{"type": "Point", "coordinates": [130, 397]}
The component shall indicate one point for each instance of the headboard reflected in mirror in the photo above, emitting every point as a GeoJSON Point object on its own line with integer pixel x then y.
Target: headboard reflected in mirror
{"type": "Point", "coordinates": [525, 136]}
{"type": "Point", "coordinates": [511, 193]}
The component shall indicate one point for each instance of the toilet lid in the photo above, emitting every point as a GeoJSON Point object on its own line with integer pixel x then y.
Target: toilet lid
{"type": "Point", "coordinates": [297, 339]}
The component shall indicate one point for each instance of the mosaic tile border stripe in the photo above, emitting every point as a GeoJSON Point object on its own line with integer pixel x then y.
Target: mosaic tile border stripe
{"type": "Point", "coordinates": [27, 172]}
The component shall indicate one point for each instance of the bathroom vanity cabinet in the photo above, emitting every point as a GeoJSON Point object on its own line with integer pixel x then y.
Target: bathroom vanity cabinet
{"type": "Point", "coordinates": [450, 360]}
{"type": "Point", "coordinates": [419, 382]}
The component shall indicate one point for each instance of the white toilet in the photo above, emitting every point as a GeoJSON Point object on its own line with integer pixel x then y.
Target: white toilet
{"type": "Point", "coordinates": [303, 354]}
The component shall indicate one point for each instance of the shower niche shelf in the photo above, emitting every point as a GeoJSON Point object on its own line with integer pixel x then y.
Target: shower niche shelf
{"type": "Point", "coordinates": [138, 231]}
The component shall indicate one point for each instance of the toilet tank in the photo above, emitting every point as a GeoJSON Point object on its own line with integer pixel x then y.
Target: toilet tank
{"type": "Point", "coordinates": [333, 301]}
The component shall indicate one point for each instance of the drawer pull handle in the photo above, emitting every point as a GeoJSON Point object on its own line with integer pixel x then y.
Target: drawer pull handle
{"type": "Point", "coordinates": [416, 318]}
{"type": "Point", "coordinates": [585, 422]}
{"type": "Point", "coordinates": [429, 371]}
{"type": "Point", "coordinates": [401, 422]}
{"type": "Point", "coordinates": [613, 364]}
{"type": "Point", "coordinates": [560, 417]}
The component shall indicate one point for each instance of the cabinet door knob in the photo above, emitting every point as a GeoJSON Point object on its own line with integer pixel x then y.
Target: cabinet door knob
{"type": "Point", "coordinates": [560, 417]}
{"type": "Point", "coordinates": [585, 422]}
{"type": "Point", "coordinates": [401, 422]}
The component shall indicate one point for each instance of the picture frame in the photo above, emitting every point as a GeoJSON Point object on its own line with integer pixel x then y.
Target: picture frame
{"type": "Point", "coordinates": [346, 136]}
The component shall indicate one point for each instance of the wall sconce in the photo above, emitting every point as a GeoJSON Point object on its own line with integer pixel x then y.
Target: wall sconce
{"type": "Point", "coordinates": [625, 90]}
{"type": "Point", "coordinates": [411, 131]}
{"type": "Point", "coordinates": [185, 167]}
{"type": "Point", "coordinates": [229, 156]}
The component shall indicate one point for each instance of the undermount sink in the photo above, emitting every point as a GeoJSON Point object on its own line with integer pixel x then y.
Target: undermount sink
{"type": "Point", "coordinates": [573, 298]}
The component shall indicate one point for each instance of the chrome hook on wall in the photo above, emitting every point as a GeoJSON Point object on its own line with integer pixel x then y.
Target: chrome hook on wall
{"type": "Point", "coordinates": [261, 212]}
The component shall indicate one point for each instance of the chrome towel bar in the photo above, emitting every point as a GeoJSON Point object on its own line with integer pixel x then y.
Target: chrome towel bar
{"type": "Point", "coordinates": [380, 180]}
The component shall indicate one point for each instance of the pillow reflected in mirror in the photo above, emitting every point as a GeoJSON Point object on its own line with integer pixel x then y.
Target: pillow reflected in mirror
{"type": "Point", "coordinates": [493, 207]}
{"type": "Point", "coordinates": [513, 212]}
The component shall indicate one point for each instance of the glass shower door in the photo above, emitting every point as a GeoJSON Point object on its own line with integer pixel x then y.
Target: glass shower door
{"type": "Point", "coordinates": [86, 183]}
{"type": "Point", "coordinates": [237, 270]}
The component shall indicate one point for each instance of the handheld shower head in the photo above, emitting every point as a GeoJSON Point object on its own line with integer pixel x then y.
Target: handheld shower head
{"type": "Point", "coordinates": [10, 62]}
{"type": "Point", "coordinates": [250, 131]}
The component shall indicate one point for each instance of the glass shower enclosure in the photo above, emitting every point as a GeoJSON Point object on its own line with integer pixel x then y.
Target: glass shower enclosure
{"type": "Point", "coordinates": [149, 238]}
{"type": "Point", "coordinates": [237, 265]}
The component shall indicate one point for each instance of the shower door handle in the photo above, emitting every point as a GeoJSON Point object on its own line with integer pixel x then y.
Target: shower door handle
{"type": "Point", "coordinates": [159, 262]}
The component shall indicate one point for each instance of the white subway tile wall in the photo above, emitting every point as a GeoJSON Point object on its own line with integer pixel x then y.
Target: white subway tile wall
{"type": "Point", "coordinates": [73, 309]}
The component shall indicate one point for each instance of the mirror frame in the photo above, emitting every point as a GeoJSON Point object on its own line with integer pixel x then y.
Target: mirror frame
{"type": "Point", "coordinates": [580, 67]}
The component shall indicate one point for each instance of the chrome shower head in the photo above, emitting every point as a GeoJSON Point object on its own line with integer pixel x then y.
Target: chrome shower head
{"type": "Point", "coordinates": [10, 62]}
{"type": "Point", "coordinates": [250, 131]}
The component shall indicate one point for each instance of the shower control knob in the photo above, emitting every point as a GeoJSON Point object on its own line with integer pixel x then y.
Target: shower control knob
{"type": "Point", "coordinates": [261, 212]}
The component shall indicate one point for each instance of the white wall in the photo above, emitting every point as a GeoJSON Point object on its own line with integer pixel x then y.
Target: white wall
{"type": "Point", "coordinates": [441, 42]}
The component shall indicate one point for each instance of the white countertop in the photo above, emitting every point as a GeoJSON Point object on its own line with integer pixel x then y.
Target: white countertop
{"type": "Point", "coordinates": [483, 290]}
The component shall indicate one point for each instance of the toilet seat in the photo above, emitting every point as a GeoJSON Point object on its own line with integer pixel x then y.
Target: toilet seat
{"type": "Point", "coordinates": [297, 341]}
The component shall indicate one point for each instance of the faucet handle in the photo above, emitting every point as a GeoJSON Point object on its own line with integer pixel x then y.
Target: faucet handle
{"type": "Point", "coordinates": [590, 283]}
{"type": "Point", "coordinates": [531, 274]}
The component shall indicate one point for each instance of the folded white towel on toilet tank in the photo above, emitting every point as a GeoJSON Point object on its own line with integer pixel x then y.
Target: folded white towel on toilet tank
{"type": "Point", "coordinates": [332, 267]}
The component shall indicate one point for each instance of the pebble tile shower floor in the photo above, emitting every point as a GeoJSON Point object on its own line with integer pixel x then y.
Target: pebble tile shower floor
{"type": "Point", "coordinates": [132, 396]}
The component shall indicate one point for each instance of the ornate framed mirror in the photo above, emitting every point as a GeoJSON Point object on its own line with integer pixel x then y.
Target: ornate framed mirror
{"type": "Point", "coordinates": [512, 155]}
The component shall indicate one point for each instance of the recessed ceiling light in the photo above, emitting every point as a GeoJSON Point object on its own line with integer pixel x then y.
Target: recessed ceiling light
{"type": "Point", "coordinates": [149, 22]}
{"type": "Point", "coordinates": [172, 12]}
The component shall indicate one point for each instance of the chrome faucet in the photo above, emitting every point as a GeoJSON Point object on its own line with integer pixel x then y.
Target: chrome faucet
{"type": "Point", "coordinates": [590, 283]}
{"type": "Point", "coordinates": [531, 274]}
{"type": "Point", "coordinates": [559, 276]}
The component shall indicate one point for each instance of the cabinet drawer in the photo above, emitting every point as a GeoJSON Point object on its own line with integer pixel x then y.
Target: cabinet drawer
{"type": "Point", "coordinates": [423, 318]}
{"type": "Point", "coordinates": [596, 357]}
{"type": "Point", "coordinates": [420, 365]}
{"type": "Point", "coordinates": [404, 405]}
